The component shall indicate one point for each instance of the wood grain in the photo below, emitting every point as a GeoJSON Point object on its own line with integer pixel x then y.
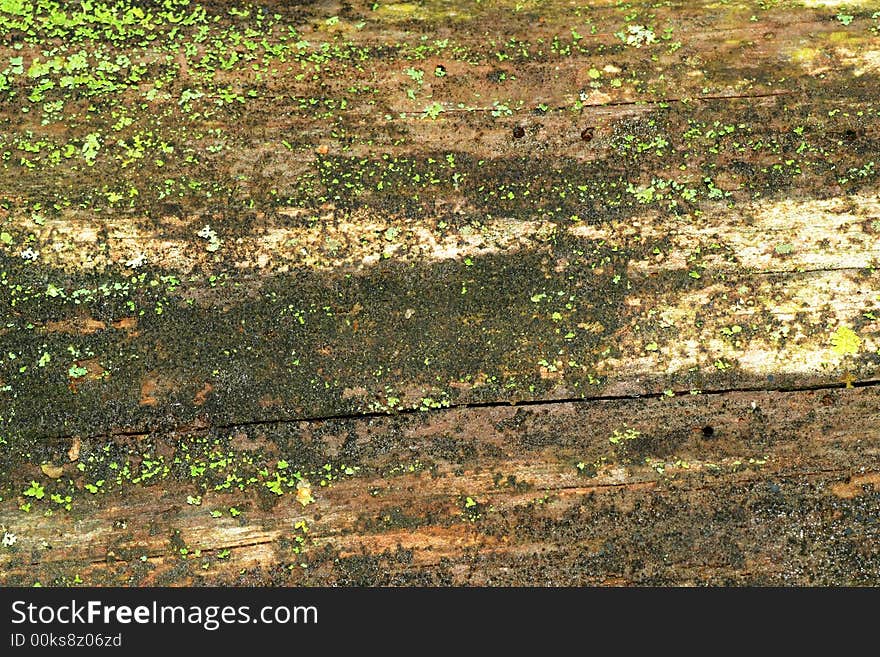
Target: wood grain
{"type": "Point", "coordinates": [545, 294]}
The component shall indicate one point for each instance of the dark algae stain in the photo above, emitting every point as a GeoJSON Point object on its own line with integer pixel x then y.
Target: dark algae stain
{"type": "Point", "coordinates": [292, 347]}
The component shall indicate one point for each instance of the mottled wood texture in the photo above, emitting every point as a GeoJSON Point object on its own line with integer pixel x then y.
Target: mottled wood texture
{"type": "Point", "coordinates": [440, 293]}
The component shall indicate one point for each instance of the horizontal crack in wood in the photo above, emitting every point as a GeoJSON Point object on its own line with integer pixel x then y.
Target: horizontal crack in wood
{"type": "Point", "coordinates": [865, 383]}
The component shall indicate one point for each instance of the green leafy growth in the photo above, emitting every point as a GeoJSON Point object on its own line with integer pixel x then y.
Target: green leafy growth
{"type": "Point", "coordinates": [433, 110]}
{"type": "Point", "coordinates": [625, 435]}
{"type": "Point", "coordinates": [35, 490]}
{"type": "Point", "coordinates": [77, 372]}
{"type": "Point", "coordinates": [845, 341]}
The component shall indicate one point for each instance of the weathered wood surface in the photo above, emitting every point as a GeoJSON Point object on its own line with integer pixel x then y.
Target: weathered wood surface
{"type": "Point", "coordinates": [349, 237]}
{"type": "Point", "coordinates": [746, 488]}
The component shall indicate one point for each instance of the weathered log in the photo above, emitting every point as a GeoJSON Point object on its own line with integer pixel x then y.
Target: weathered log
{"type": "Point", "coordinates": [356, 237]}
